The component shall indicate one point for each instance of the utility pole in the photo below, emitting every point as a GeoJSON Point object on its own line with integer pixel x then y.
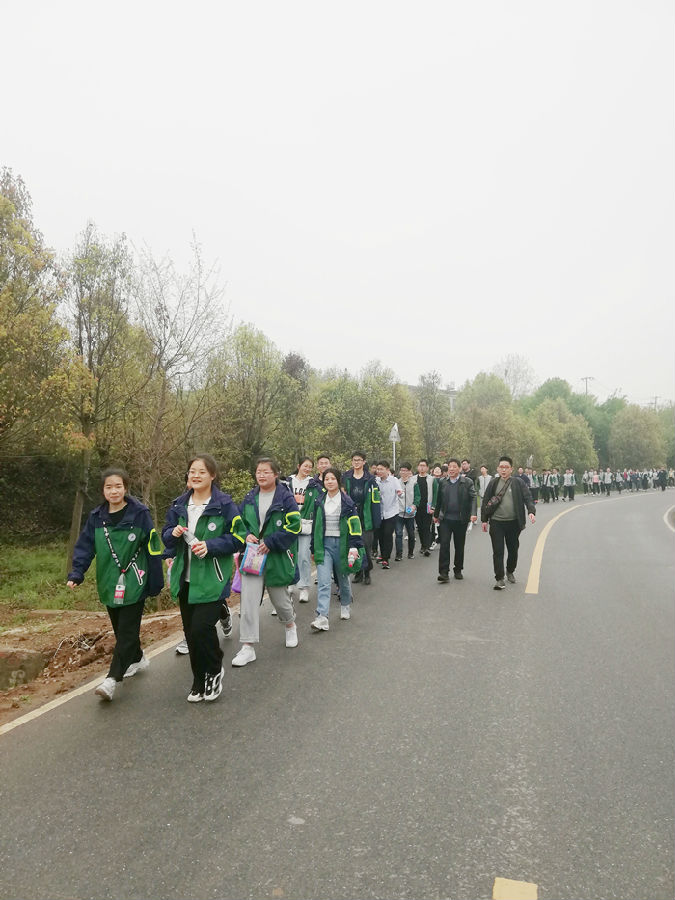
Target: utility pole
{"type": "Point", "coordinates": [587, 378]}
{"type": "Point", "coordinates": [655, 402]}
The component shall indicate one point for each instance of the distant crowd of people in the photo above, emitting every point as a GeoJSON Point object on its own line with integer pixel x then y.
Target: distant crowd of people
{"type": "Point", "coordinates": [346, 522]}
{"type": "Point", "coordinates": [553, 484]}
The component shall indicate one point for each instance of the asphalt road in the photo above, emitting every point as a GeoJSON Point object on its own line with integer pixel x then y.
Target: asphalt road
{"type": "Point", "coordinates": [443, 737]}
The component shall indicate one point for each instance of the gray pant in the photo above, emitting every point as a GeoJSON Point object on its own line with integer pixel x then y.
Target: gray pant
{"type": "Point", "coordinates": [252, 587]}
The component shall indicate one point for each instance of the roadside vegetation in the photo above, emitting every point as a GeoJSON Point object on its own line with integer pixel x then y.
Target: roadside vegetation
{"type": "Point", "coordinates": [110, 356]}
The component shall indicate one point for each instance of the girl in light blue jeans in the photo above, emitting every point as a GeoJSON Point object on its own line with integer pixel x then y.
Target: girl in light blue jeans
{"type": "Point", "coordinates": [337, 546]}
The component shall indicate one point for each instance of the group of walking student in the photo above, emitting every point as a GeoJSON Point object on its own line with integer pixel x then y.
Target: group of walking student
{"type": "Point", "coordinates": [347, 522]}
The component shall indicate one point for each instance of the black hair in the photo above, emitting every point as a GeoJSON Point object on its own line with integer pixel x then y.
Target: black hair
{"type": "Point", "coordinates": [455, 460]}
{"type": "Point", "coordinates": [331, 470]}
{"type": "Point", "coordinates": [422, 461]}
{"type": "Point", "coordinates": [272, 463]}
{"type": "Point", "coordinates": [506, 459]}
{"type": "Point", "coordinates": [464, 460]}
{"type": "Point", "coordinates": [323, 456]}
{"type": "Point", "coordinates": [385, 463]}
{"type": "Point", "coordinates": [405, 465]}
{"type": "Point", "coordinates": [120, 473]}
{"type": "Point", "coordinates": [359, 453]}
{"type": "Point", "coordinates": [304, 459]}
{"type": "Point", "coordinates": [210, 465]}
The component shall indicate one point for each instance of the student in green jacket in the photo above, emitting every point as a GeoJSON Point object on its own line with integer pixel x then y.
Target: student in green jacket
{"type": "Point", "coordinates": [273, 522]}
{"type": "Point", "coordinates": [305, 489]}
{"type": "Point", "coordinates": [120, 534]}
{"type": "Point", "coordinates": [203, 530]}
{"type": "Point", "coordinates": [337, 546]}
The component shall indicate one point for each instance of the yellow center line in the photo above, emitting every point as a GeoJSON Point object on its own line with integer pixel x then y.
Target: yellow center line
{"type": "Point", "coordinates": [532, 586]}
{"type": "Point", "coordinates": [505, 889]}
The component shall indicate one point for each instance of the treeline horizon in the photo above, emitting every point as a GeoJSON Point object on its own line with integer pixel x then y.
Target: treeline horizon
{"type": "Point", "coordinates": [110, 357]}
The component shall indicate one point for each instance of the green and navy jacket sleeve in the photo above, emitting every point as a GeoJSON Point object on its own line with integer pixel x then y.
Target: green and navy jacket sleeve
{"type": "Point", "coordinates": [85, 549]}
{"type": "Point", "coordinates": [314, 489]}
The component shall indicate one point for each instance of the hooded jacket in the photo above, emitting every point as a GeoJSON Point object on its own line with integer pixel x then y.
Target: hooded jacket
{"type": "Point", "coordinates": [220, 526]}
{"type": "Point", "coordinates": [142, 570]}
{"type": "Point", "coordinates": [280, 532]}
{"type": "Point", "coordinates": [371, 515]}
{"type": "Point", "coordinates": [350, 533]}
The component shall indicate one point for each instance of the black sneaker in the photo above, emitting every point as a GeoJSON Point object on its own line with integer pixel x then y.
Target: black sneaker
{"type": "Point", "coordinates": [358, 578]}
{"type": "Point", "coordinates": [398, 558]}
{"type": "Point", "coordinates": [444, 579]}
{"type": "Point", "coordinates": [510, 577]}
{"type": "Point", "coordinates": [411, 556]}
{"type": "Point", "coordinates": [366, 578]}
{"type": "Point", "coordinates": [458, 574]}
{"type": "Point", "coordinates": [226, 621]}
{"type": "Point", "coordinates": [426, 551]}
{"type": "Point", "coordinates": [499, 585]}
{"type": "Point", "coordinates": [213, 685]}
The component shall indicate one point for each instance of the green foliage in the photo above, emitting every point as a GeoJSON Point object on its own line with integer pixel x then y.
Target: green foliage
{"type": "Point", "coordinates": [434, 413]}
{"type": "Point", "coordinates": [34, 362]}
{"type": "Point", "coordinates": [636, 439]}
{"type": "Point", "coordinates": [31, 577]}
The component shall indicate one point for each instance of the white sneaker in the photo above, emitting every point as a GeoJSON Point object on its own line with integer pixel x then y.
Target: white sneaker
{"type": "Point", "coordinates": [182, 649]}
{"type": "Point", "coordinates": [140, 666]}
{"type": "Point", "coordinates": [304, 595]}
{"type": "Point", "coordinates": [433, 545]}
{"type": "Point", "coordinates": [291, 636]}
{"type": "Point", "coordinates": [106, 689]}
{"type": "Point", "coordinates": [345, 612]}
{"type": "Point", "coordinates": [245, 656]}
{"type": "Point", "coordinates": [320, 624]}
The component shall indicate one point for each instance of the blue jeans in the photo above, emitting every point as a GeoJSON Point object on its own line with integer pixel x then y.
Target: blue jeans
{"type": "Point", "coordinates": [409, 525]}
{"type": "Point", "coordinates": [324, 571]}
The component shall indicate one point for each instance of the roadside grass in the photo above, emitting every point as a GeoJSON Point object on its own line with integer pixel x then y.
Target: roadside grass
{"type": "Point", "coordinates": [33, 577]}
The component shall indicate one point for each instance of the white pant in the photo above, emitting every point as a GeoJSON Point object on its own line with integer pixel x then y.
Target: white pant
{"type": "Point", "coordinates": [252, 587]}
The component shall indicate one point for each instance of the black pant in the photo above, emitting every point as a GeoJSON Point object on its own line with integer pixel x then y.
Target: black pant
{"type": "Point", "coordinates": [451, 529]}
{"type": "Point", "coordinates": [199, 625]}
{"type": "Point", "coordinates": [423, 519]}
{"type": "Point", "coordinates": [387, 537]}
{"type": "Point", "coordinates": [368, 546]}
{"type": "Point", "coordinates": [126, 623]}
{"type": "Point", "coordinates": [409, 525]}
{"type": "Point", "coordinates": [500, 533]}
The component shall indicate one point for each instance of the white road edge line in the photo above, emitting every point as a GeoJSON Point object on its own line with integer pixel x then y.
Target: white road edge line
{"type": "Point", "coordinates": [76, 692]}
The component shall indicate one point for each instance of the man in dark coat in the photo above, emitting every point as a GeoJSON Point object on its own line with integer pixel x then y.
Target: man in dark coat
{"type": "Point", "coordinates": [507, 518]}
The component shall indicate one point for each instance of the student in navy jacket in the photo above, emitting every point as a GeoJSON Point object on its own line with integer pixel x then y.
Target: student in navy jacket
{"type": "Point", "coordinates": [273, 522]}
{"type": "Point", "coordinates": [120, 534]}
{"type": "Point", "coordinates": [203, 530]}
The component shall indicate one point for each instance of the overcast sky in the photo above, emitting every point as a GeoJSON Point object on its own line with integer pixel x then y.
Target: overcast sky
{"type": "Point", "coordinates": [435, 185]}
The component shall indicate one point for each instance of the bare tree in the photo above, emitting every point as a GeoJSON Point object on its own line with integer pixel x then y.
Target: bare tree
{"type": "Point", "coordinates": [517, 373]}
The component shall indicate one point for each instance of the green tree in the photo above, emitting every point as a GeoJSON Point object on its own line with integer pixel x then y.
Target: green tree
{"type": "Point", "coordinates": [34, 360]}
{"type": "Point", "coordinates": [435, 413]}
{"type": "Point", "coordinates": [636, 439]}
{"type": "Point", "coordinates": [110, 358]}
